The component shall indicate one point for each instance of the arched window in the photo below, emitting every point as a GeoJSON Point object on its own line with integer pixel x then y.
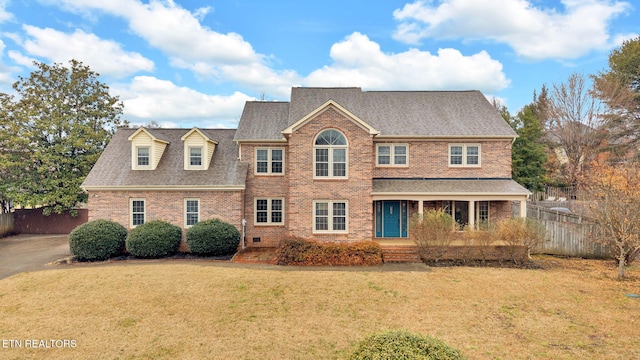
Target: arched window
{"type": "Point", "coordinates": [330, 160]}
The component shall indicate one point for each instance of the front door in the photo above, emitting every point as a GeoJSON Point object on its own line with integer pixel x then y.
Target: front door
{"type": "Point", "coordinates": [391, 215]}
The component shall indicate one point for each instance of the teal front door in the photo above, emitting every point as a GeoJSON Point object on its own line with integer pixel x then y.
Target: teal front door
{"type": "Point", "coordinates": [391, 215]}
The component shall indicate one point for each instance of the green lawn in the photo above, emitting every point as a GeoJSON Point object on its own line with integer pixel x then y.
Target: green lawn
{"type": "Point", "coordinates": [572, 309]}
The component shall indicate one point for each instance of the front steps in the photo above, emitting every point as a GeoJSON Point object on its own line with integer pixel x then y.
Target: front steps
{"type": "Point", "coordinates": [400, 253]}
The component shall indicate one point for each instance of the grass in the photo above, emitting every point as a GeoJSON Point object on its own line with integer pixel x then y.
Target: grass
{"type": "Point", "coordinates": [177, 309]}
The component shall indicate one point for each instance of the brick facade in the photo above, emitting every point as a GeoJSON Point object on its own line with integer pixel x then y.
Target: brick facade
{"type": "Point", "coordinates": [263, 186]}
{"type": "Point", "coordinates": [355, 189]}
{"type": "Point", "coordinates": [430, 159]}
{"type": "Point", "coordinates": [166, 205]}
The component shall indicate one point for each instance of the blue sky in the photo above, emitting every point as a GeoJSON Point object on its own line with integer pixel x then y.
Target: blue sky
{"type": "Point", "coordinates": [194, 63]}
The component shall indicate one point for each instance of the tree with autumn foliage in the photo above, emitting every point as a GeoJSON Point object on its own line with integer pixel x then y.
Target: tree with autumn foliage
{"type": "Point", "coordinates": [51, 134]}
{"type": "Point", "coordinates": [614, 193]}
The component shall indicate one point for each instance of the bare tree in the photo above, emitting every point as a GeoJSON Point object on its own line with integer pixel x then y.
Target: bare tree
{"type": "Point", "coordinates": [614, 192]}
{"type": "Point", "coordinates": [574, 126]}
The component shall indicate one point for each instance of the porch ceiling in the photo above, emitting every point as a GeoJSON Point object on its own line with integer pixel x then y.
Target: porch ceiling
{"type": "Point", "coordinates": [504, 188]}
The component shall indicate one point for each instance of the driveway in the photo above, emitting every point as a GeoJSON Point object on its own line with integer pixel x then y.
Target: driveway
{"type": "Point", "coordinates": [22, 253]}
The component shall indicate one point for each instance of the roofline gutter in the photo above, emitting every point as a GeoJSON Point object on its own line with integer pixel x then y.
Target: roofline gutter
{"type": "Point", "coordinates": [458, 194]}
{"type": "Point", "coordinates": [444, 137]}
{"type": "Point", "coordinates": [164, 187]}
{"type": "Point", "coordinates": [258, 141]}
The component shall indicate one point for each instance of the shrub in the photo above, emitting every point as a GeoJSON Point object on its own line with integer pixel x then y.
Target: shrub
{"type": "Point", "coordinates": [213, 237]}
{"type": "Point", "coordinates": [482, 237]}
{"type": "Point", "coordinates": [433, 231]}
{"type": "Point", "coordinates": [154, 239]}
{"type": "Point", "coordinates": [97, 240]}
{"type": "Point", "coordinates": [295, 251]}
{"type": "Point", "coordinates": [399, 344]}
{"type": "Point", "coordinates": [516, 232]}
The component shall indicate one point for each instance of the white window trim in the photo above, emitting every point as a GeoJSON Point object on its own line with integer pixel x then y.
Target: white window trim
{"type": "Point", "coordinates": [464, 155]}
{"type": "Point", "coordinates": [392, 154]}
{"type": "Point", "coordinates": [330, 148]}
{"type": "Point", "coordinates": [185, 211]}
{"type": "Point", "coordinates": [269, 211]}
{"type": "Point", "coordinates": [144, 213]}
{"type": "Point", "coordinates": [330, 215]}
{"type": "Point", "coordinates": [136, 156]}
{"type": "Point", "coordinates": [269, 161]}
{"type": "Point", "coordinates": [188, 158]}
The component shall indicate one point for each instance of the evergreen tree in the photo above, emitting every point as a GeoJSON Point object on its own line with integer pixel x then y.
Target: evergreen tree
{"type": "Point", "coordinates": [53, 133]}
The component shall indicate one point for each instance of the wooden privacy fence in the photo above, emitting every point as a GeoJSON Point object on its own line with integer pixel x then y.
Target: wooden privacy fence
{"type": "Point", "coordinates": [6, 224]}
{"type": "Point", "coordinates": [568, 234]}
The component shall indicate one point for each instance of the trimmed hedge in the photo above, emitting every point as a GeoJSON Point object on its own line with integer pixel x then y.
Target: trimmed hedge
{"type": "Point", "coordinates": [213, 237]}
{"type": "Point", "coordinates": [400, 344]}
{"type": "Point", "coordinates": [297, 251]}
{"type": "Point", "coordinates": [154, 239]}
{"type": "Point", "coordinates": [97, 240]}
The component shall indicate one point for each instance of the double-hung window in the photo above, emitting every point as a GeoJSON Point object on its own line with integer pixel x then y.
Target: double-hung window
{"type": "Point", "coordinates": [142, 155]}
{"type": "Point", "coordinates": [330, 155]}
{"type": "Point", "coordinates": [270, 161]}
{"type": "Point", "coordinates": [269, 211]}
{"type": "Point", "coordinates": [392, 154]}
{"type": "Point", "coordinates": [330, 216]}
{"type": "Point", "coordinates": [191, 212]}
{"type": "Point", "coordinates": [138, 212]}
{"type": "Point", "coordinates": [464, 155]}
{"type": "Point", "coordinates": [195, 156]}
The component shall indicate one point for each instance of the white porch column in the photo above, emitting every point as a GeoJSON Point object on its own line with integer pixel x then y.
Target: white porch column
{"type": "Point", "coordinates": [420, 209]}
{"type": "Point", "coordinates": [523, 208]}
{"type": "Point", "coordinates": [472, 213]}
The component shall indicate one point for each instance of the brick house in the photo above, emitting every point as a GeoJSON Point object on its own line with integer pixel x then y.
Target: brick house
{"type": "Point", "coordinates": [332, 164]}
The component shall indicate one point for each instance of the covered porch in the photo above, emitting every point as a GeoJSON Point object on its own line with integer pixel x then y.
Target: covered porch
{"type": "Point", "coordinates": [468, 201]}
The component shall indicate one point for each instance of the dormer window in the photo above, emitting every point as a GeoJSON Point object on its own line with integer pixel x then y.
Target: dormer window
{"type": "Point", "coordinates": [198, 150]}
{"type": "Point", "coordinates": [147, 147]}
{"type": "Point", "coordinates": [195, 156]}
{"type": "Point", "coordinates": [143, 156]}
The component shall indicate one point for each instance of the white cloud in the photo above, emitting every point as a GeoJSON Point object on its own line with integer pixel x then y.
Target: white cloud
{"type": "Point", "coordinates": [5, 71]}
{"type": "Point", "coordinates": [103, 56]}
{"type": "Point", "coordinates": [358, 61]}
{"type": "Point", "coordinates": [4, 14]}
{"type": "Point", "coordinates": [179, 34]}
{"type": "Point", "coordinates": [147, 98]}
{"type": "Point", "coordinates": [533, 32]}
{"type": "Point", "coordinates": [20, 59]}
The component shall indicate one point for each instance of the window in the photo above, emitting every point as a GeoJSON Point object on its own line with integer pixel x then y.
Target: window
{"type": "Point", "coordinates": [269, 211]}
{"type": "Point", "coordinates": [330, 155]}
{"type": "Point", "coordinates": [482, 210]}
{"type": "Point", "coordinates": [195, 156]}
{"type": "Point", "coordinates": [270, 161]}
{"type": "Point", "coordinates": [137, 212]}
{"type": "Point", "coordinates": [391, 154]}
{"type": "Point", "coordinates": [143, 155]}
{"type": "Point", "coordinates": [191, 212]}
{"type": "Point", "coordinates": [464, 155]}
{"type": "Point", "coordinates": [330, 216]}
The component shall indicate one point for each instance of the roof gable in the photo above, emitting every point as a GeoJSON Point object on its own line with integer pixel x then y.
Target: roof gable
{"type": "Point", "coordinates": [324, 107]}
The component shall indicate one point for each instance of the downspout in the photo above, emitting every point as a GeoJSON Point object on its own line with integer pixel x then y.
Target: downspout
{"type": "Point", "coordinates": [244, 222]}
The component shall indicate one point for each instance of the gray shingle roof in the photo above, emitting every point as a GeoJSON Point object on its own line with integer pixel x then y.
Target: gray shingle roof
{"type": "Point", "coordinates": [449, 186]}
{"type": "Point", "coordinates": [263, 121]}
{"type": "Point", "coordinates": [113, 169]}
{"type": "Point", "coordinates": [393, 113]}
